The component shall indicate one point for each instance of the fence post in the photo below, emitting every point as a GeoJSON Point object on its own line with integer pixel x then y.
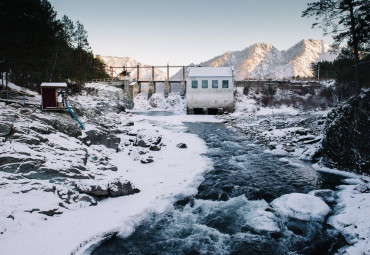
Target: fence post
{"type": "Point", "coordinates": [7, 98]}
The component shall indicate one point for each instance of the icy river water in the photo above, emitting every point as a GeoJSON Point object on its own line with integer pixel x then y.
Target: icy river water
{"type": "Point", "coordinates": [231, 212]}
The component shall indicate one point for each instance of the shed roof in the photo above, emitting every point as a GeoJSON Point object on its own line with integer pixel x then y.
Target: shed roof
{"type": "Point", "coordinates": [210, 72]}
{"type": "Point", "coordinates": [54, 84]}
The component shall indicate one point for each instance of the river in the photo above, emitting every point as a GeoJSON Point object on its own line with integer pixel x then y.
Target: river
{"type": "Point", "coordinates": [230, 213]}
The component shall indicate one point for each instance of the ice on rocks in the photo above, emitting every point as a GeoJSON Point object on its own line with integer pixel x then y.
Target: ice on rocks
{"type": "Point", "coordinates": [173, 103]}
{"type": "Point", "coordinates": [301, 206]}
{"type": "Point", "coordinates": [352, 218]}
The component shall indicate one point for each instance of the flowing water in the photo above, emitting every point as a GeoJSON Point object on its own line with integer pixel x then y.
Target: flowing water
{"type": "Point", "coordinates": [230, 214]}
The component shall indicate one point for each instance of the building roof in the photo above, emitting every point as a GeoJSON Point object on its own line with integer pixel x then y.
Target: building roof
{"type": "Point", "coordinates": [54, 84]}
{"type": "Point", "coordinates": [210, 72]}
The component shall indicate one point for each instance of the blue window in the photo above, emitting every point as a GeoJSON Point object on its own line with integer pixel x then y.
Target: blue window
{"type": "Point", "coordinates": [194, 84]}
{"type": "Point", "coordinates": [205, 84]}
{"type": "Point", "coordinates": [215, 84]}
{"type": "Point", "coordinates": [225, 84]}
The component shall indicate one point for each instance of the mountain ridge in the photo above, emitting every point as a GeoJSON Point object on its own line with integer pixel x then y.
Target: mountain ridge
{"type": "Point", "coordinates": [264, 61]}
{"type": "Point", "coordinates": [257, 61]}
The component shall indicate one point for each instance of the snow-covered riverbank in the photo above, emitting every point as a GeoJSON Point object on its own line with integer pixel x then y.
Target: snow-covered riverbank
{"type": "Point", "coordinates": [52, 175]}
{"type": "Point", "coordinates": [45, 210]}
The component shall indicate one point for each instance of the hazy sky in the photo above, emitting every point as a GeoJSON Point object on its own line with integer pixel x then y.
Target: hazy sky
{"type": "Point", "coordinates": [180, 32]}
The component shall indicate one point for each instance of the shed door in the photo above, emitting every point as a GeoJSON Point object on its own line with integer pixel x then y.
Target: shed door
{"type": "Point", "coordinates": [49, 98]}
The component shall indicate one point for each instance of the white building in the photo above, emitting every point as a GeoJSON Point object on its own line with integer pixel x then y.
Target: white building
{"type": "Point", "coordinates": [210, 90]}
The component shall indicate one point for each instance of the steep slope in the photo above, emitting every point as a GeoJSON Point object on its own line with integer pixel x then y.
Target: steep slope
{"type": "Point", "coordinates": [263, 61]}
{"type": "Point", "coordinates": [145, 73]}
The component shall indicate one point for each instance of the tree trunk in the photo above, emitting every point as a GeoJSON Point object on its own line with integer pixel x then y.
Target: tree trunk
{"type": "Point", "coordinates": [355, 46]}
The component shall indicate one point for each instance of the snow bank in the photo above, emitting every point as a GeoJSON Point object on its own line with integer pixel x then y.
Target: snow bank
{"type": "Point", "coordinates": [283, 110]}
{"type": "Point", "coordinates": [352, 217]}
{"type": "Point", "coordinates": [324, 169]}
{"type": "Point", "coordinates": [171, 176]}
{"type": "Point", "coordinates": [301, 206]}
{"type": "Point", "coordinates": [14, 87]}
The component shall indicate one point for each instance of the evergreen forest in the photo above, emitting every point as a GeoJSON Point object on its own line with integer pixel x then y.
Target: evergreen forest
{"type": "Point", "coordinates": [38, 47]}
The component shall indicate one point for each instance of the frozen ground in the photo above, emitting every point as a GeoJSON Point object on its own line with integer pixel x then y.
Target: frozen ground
{"type": "Point", "coordinates": [45, 163]}
{"type": "Point", "coordinates": [49, 208]}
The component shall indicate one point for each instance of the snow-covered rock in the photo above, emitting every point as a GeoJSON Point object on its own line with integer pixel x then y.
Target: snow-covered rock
{"type": "Point", "coordinates": [347, 128]}
{"type": "Point", "coordinates": [352, 218]}
{"type": "Point", "coordinates": [301, 206]}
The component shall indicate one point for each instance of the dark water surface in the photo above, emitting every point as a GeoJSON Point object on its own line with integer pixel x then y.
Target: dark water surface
{"type": "Point", "coordinates": [230, 213]}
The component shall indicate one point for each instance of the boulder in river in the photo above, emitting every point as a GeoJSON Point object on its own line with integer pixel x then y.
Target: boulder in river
{"type": "Point", "coordinates": [301, 207]}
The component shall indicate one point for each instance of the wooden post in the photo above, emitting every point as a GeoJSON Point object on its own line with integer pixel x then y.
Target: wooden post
{"type": "Point", "coordinates": [111, 72]}
{"type": "Point", "coordinates": [183, 73]}
{"type": "Point", "coordinates": [138, 73]}
{"type": "Point", "coordinates": [152, 73]}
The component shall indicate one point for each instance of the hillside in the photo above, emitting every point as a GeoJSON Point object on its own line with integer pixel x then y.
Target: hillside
{"type": "Point", "coordinates": [264, 61]}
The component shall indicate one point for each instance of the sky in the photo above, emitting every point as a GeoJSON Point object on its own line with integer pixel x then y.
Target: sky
{"type": "Point", "coordinates": [180, 32]}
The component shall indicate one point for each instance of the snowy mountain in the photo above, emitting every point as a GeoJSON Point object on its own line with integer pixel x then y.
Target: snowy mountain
{"type": "Point", "coordinates": [258, 61]}
{"type": "Point", "coordinates": [145, 73]}
{"type": "Point", "coordinates": [263, 61]}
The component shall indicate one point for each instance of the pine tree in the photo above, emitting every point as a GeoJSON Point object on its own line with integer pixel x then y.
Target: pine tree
{"type": "Point", "coordinates": [37, 47]}
{"type": "Point", "coordinates": [346, 20]}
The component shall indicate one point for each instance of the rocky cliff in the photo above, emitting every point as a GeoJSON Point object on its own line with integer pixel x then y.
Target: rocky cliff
{"type": "Point", "coordinates": [346, 143]}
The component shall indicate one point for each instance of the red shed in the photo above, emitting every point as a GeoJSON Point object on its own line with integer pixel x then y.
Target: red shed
{"type": "Point", "coordinates": [51, 94]}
